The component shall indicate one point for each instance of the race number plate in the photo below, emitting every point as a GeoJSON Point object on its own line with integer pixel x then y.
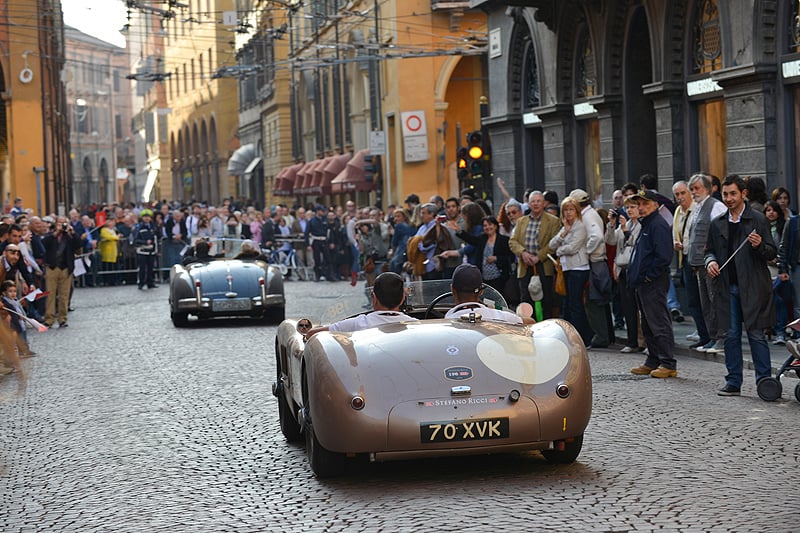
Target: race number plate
{"type": "Point", "coordinates": [464, 430]}
{"type": "Point", "coordinates": [239, 304]}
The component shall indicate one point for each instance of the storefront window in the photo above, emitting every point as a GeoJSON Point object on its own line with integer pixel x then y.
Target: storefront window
{"type": "Point", "coordinates": [711, 136]}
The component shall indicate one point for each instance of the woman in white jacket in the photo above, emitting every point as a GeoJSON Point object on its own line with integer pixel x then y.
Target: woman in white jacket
{"type": "Point", "coordinates": [624, 238]}
{"type": "Point", "coordinates": [570, 247]}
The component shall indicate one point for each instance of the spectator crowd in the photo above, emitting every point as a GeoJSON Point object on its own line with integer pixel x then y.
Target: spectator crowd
{"type": "Point", "coordinates": [602, 269]}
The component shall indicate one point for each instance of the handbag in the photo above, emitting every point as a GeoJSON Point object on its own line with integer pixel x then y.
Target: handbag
{"type": "Point", "coordinates": [560, 283]}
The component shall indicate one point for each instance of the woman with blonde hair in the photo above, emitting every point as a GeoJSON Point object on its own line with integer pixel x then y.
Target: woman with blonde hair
{"type": "Point", "coordinates": [570, 247]}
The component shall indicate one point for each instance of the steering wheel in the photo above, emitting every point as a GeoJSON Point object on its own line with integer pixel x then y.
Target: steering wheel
{"type": "Point", "coordinates": [429, 312]}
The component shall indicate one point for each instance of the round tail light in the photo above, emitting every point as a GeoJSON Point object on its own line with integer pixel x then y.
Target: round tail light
{"type": "Point", "coordinates": [357, 403]}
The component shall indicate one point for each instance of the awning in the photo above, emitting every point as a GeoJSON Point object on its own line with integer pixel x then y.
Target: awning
{"type": "Point", "coordinates": [300, 178]}
{"type": "Point", "coordinates": [318, 175]}
{"type": "Point", "coordinates": [240, 159]}
{"type": "Point", "coordinates": [332, 169]}
{"type": "Point", "coordinates": [280, 187]}
{"type": "Point", "coordinates": [248, 172]}
{"type": "Point", "coordinates": [352, 177]}
{"type": "Point", "coordinates": [288, 178]}
{"type": "Point", "coordinates": [152, 174]}
{"type": "Point", "coordinates": [307, 173]}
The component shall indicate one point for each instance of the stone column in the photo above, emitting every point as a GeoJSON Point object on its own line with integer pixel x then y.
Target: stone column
{"type": "Point", "coordinates": [506, 136]}
{"type": "Point", "coordinates": [668, 103]}
{"type": "Point", "coordinates": [558, 137]}
{"type": "Point", "coordinates": [751, 128]}
{"type": "Point", "coordinates": [612, 147]}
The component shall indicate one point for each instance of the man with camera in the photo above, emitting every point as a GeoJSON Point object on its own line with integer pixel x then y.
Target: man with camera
{"type": "Point", "coordinates": [60, 246]}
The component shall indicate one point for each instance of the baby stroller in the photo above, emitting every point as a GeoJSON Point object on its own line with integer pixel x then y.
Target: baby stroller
{"type": "Point", "coordinates": [770, 389]}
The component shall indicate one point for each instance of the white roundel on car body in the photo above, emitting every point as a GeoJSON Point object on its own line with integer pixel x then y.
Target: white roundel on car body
{"type": "Point", "coordinates": [528, 360]}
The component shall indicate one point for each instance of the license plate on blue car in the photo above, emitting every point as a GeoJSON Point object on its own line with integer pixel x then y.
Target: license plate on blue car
{"type": "Point", "coordinates": [238, 304]}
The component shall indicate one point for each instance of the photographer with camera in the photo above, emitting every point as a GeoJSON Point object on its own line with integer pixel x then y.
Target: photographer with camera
{"type": "Point", "coordinates": [61, 245]}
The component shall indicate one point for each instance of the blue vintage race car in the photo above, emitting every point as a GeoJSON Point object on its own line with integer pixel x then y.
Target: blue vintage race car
{"type": "Point", "coordinates": [226, 287]}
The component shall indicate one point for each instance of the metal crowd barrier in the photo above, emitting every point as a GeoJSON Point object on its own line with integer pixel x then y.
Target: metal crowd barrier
{"type": "Point", "coordinates": [127, 268]}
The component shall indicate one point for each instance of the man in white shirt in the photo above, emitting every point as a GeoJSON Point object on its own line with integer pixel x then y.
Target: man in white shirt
{"type": "Point", "coordinates": [388, 294]}
{"type": "Point", "coordinates": [467, 289]}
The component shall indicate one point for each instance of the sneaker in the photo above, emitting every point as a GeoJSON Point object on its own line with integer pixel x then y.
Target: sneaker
{"type": "Point", "coordinates": [694, 337]}
{"type": "Point", "coordinates": [780, 340]}
{"type": "Point", "coordinates": [706, 346]}
{"type": "Point", "coordinates": [646, 351]}
{"type": "Point", "coordinates": [729, 390]}
{"type": "Point", "coordinates": [642, 370]}
{"type": "Point", "coordinates": [62, 325]}
{"type": "Point", "coordinates": [629, 349]}
{"type": "Point", "coordinates": [676, 315]}
{"type": "Point", "coordinates": [718, 347]}
{"type": "Point", "coordinates": [664, 372]}
{"type": "Point", "coordinates": [697, 345]}
{"type": "Point", "coordinates": [619, 325]}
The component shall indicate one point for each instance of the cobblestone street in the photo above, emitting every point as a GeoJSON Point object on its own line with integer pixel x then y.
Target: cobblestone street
{"type": "Point", "coordinates": [129, 424]}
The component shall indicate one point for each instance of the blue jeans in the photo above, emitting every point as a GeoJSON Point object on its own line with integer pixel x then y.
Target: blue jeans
{"type": "Point", "coordinates": [672, 297]}
{"type": "Point", "coordinates": [354, 252]}
{"type": "Point", "coordinates": [733, 346]}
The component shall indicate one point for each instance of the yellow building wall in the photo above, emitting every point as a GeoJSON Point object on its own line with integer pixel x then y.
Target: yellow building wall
{"type": "Point", "coordinates": [423, 84]}
{"type": "Point", "coordinates": [25, 122]}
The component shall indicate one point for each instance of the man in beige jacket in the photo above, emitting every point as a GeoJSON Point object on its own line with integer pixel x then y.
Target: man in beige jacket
{"type": "Point", "coordinates": [530, 242]}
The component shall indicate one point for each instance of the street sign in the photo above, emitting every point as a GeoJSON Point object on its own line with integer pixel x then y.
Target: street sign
{"type": "Point", "coordinates": [377, 143]}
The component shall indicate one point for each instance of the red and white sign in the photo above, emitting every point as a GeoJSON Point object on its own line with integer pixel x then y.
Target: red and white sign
{"type": "Point", "coordinates": [413, 123]}
{"type": "Point", "coordinates": [415, 136]}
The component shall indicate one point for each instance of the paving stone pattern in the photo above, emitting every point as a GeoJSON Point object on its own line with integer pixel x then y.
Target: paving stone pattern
{"type": "Point", "coordinates": [128, 424]}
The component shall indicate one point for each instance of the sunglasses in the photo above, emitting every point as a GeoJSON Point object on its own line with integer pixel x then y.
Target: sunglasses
{"type": "Point", "coordinates": [304, 325]}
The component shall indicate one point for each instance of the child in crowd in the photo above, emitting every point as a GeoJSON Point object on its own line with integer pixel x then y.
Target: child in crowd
{"type": "Point", "coordinates": [15, 316]}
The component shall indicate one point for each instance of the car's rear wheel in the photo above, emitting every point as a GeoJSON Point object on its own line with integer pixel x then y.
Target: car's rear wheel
{"type": "Point", "coordinates": [179, 320]}
{"type": "Point", "coordinates": [572, 448]}
{"type": "Point", "coordinates": [323, 462]}
{"type": "Point", "coordinates": [797, 392]}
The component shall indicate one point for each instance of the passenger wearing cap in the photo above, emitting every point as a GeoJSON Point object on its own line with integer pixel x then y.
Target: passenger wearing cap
{"type": "Point", "coordinates": [388, 294]}
{"type": "Point", "coordinates": [467, 289]}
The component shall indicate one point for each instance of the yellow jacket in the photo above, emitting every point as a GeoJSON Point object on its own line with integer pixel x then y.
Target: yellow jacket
{"type": "Point", "coordinates": [108, 245]}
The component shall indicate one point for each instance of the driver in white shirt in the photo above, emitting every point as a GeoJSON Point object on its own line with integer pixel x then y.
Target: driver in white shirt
{"type": "Point", "coordinates": [467, 288]}
{"type": "Point", "coordinates": [388, 295]}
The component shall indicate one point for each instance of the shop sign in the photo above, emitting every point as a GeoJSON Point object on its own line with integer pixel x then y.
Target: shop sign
{"type": "Point", "coordinates": [704, 86]}
{"type": "Point", "coordinates": [791, 69]}
{"type": "Point", "coordinates": [531, 118]}
{"type": "Point", "coordinates": [583, 109]}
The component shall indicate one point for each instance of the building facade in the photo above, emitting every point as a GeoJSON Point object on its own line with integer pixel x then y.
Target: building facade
{"type": "Point", "coordinates": [99, 111]}
{"type": "Point", "coordinates": [378, 92]}
{"type": "Point", "coordinates": [595, 93]}
{"type": "Point", "coordinates": [34, 154]}
{"type": "Point", "coordinates": [202, 108]}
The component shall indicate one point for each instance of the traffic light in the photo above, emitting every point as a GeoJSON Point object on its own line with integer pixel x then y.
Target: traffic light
{"type": "Point", "coordinates": [462, 156]}
{"type": "Point", "coordinates": [372, 168]}
{"type": "Point", "coordinates": [475, 153]}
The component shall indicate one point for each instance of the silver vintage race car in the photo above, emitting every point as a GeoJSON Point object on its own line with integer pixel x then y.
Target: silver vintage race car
{"type": "Point", "coordinates": [433, 387]}
{"type": "Point", "coordinates": [226, 287]}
